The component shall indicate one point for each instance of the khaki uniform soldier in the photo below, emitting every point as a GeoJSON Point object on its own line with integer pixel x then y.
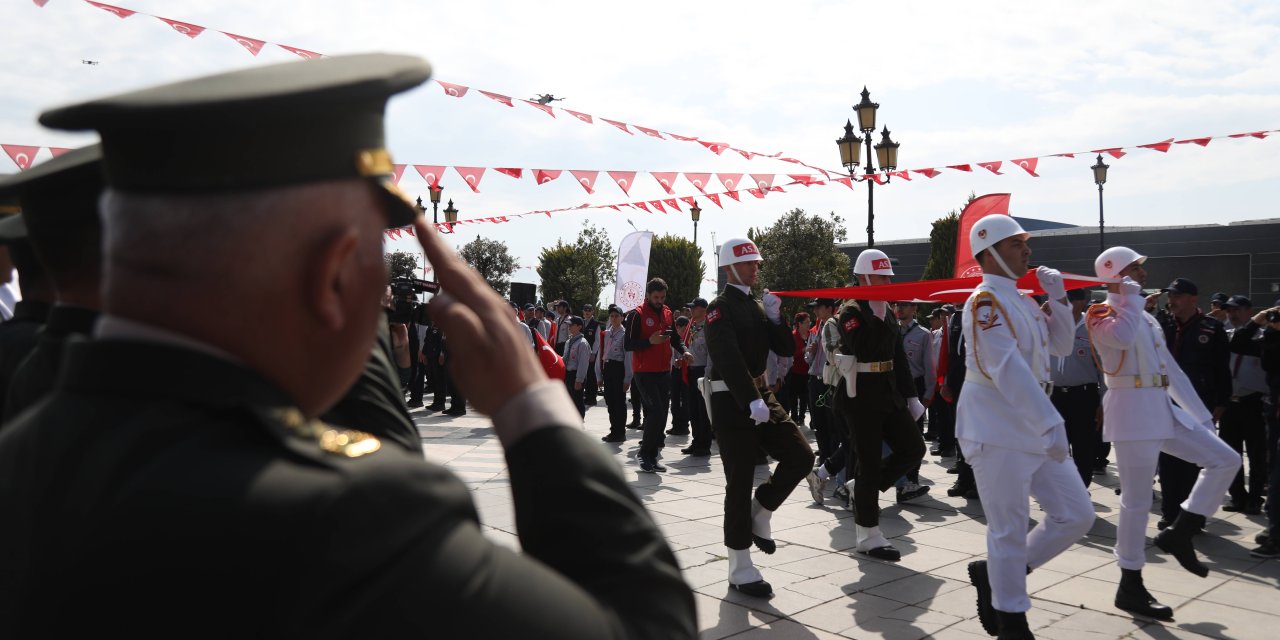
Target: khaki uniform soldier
{"type": "Point", "coordinates": [179, 462]}
{"type": "Point", "coordinates": [745, 414]}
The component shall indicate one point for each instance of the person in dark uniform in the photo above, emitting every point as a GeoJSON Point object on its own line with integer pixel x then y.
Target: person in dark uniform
{"type": "Point", "coordinates": [651, 339]}
{"type": "Point", "coordinates": [680, 409]}
{"type": "Point", "coordinates": [695, 340]}
{"type": "Point", "coordinates": [1199, 345]}
{"type": "Point", "coordinates": [19, 334]}
{"type": "Point", "coordinates": [590, 331]}
{"type": "Point", "coordinates": [1077, 391]}
{"type": "Point", "coordinates": [741, 332]}
{"type": "Point", "coordinates": [417, 336]}
{"type": "Point", "coordinates": [433, 350]}
{"type": "Point", "coordinates": [965, 485]}
{"type": "Point", "coordinates": [60, 208]}
{"type": "Point", "coordinates": [178, 461]}
{"type": "Point", "coordinates": [614, 371]}
{"type": "Point", "coordinates": [1243, 426]}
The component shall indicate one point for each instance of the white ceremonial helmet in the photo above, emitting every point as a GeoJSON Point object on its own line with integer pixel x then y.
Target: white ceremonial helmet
{"type": "Point", "coordinates": [735, 250]}
{"type": "Point", "coordinates": [992, 229]}
{"type": "Point", "coordinates": [872, 262]}
{"type": "Point", "coordinates": [1111, 262]}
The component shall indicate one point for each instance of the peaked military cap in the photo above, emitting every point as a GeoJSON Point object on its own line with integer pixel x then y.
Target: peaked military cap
{"type": "Point", "coordinates": [63, 191]}
{"type": "Point", "coordinates": [268, 126]}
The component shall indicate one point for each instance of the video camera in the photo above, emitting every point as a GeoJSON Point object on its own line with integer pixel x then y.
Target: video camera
{"type": "Point", "coordinates": [403, 311]}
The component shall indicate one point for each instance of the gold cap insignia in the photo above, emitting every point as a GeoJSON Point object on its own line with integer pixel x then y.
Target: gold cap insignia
{"type": "Point", "coordinates": [374, 162]}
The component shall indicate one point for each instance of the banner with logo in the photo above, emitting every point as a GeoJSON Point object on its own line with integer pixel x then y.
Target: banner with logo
{"type": "Point", "coordinates": [633, 269]}
{"type": "Point", "coordinates": [981, 207]}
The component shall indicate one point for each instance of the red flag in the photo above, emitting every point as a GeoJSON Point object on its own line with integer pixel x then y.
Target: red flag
{"type": "Point", "coordinates": [928, 173]}
{"type": "Point", "coordinates": [118, 11]}
{"type": "Point", "coordinates": [665, 178]}
{"type": "Point", "coordinates": [802, 178]}
{"type": "Point", "coordinates": [729, 180]}
{"type": "Point", "coordinates": [1114, 152]}
{"type": "Point", "coordinates": [653, 133]}
{"type": "Point", "coordinates": [733, 194]}
{"type": "Point", "coordinates": [301, 53]}
{"type": "Point", "coordinates": [21, 155]}
{"type": "Point", "coordinates": [1028, 165]}
{"type": "Point", "coordinates": [715, 198]}
{"type": "Point", "coordinates": [791, 160]}
{"type": "Point", "coordinates": [620, 125]}
{"type": "Point", "coordinates": [409, 230]}
{"type": "Point", "coordinates": [979, 208]}
{"type": "Point", "coordinates": [394, 233]}
{"type": "Point", "coordinates": [746, 154]}
{"type": "Point", "coordinates": [57, 151]}
{"type": "Point", "coordinates": [581, 116]}
{"type": "Point", "coordinates": [904, 174]}
{"type": "Point", "coordinates": [252, 45]}
{"type": "Point", "coordinates": [763, 180]}
{"type": "Point", "coordinates": [1162, 147]}
{"type": "Point", "coordinates": [643, 206]}
{"type": "Point", "coordinates": [185, 28]}
{"type": "Point", "coordinates": [657, 204]}
{"type": "Point", "coordinates": [759, 193]}
{"type": "Point", "coordinates": [552, 363]}
{"type": "Point", "coordinates": [848, 182]}
{"type": "Point", "coordinates": [699, 180]}
{"type": "Point", "coordinates": [497, 97]}
{"type": "Point", "coordinates": [40, 3]}
{"type": "Point", "coordinates": [715, 147]}
{"type": "Point", "coordinates": [878, 178]}
{"type": "Point", "coordinates": [543, 176]}
{"type": "Point", "coordinates": [396, 169]}
{"type": "Point", "coordinates": [450, 89]}
{"type": "Point", "coordinates": [624, 179]}
{"type": "Point", "coordinates": [689, 201]}
{"type": "Point", "coordinates": [540, 107]}
{"type": "Point", "coordinates": [671, 202]}
{"type": "Point", "coordinates": [778, 189]}
{"type": "Point", "coordinates": [587, 179]}
{"type": "Point", "coordinates": [430, 173]}
{"type": "Point", "coordinates": [1064, 155]}
{"type": "Point", "coordinates": [993, 167]}
{"type": "Point", "coordinates": [472, 176]}
{"type": "Point", "coordinates": [960, 167]}
{"type": "Point", "coordinates": [1261, 135]}
{"type": "Point", "coordinates": [1204, 142]}
{"type": "Point", "coordinates": [510, 171]}
{"type": "Point", "coordinates": [680, 137]}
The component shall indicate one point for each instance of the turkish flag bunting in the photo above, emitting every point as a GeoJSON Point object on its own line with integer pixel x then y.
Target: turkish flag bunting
{"type": "Point", "coordinates": [671, 202]}
{"type": "Point", "coordinates": [904, 174]}
{"type": "Point", "coordinates": [657, 204]}
{"type": "Point", "coordinates": [1114, 152]}
{"type": "Point", "coordinates": [715, 147]}
{"type": "Point", "coordinates": [430, 173]}
{"type": "Point", "coordinates": [119, 12]}
{"type": "Point", "coordinates": [791, 160]}
{"type": "Point", "coordinates": [778, 189]}
{"type": "Point", "coordinates": [928, 173]}
{"type": "Point", "coordinates": [624, 179]}
{"type": "Point", "coordinates": [543, 176]}
{"type": "Point", "coordinates": [252, 45]}
{"type": "Point", "coordinates": [643, 207]}
{"type": "Point", "coordinates": [803, 179]}
{"type": "Point", "coordinates": [715, 197]}
{"type": "Point", "coordinates": [680, 137]}
{"type": "Point", "coordinates": [1253, 134]}
{"type": "Point", "coordinates": [587, 179]}
{"type": "Point", "coordinates": [993, 167]}
{"type": "Point", "coordinates": [848, 182]}
{"type": "Point", "coordinates": [732, 194]}
{"type": "Point", "coordinates": [877, 177]}
{"type": "Point", "coordinates": [541, 107]}
{"type": "Point", "coordinates": [397, 170]}
{"type": "Point", "coordinates": [763, 180]}
{"type": "Point", "coordinates": [303, 53]}
{"type": "Point", "coordinates": [497, 97]}
{"type": "Point", "coordinates": [1204, 142]}
{"type": "Point", "coordinates": [620, 125]}
{"type": "Point", "coordinates": [652, 133]}
{"type": "Point", "coordinates": [746, 154]}
{"type": "Point", "coordinates": [960, 167]}
{"type": "Point", "coordinates": [472, 175]}
{"type": "Point", "coordinates": [666, 179]}
{"type": "Point", "coordinates": [613, 206]}
{"type": "Point", "coordinates": [185, 28]}
{"type": "Point", "coordinates": [759, 193]}
{"type": "Point", "coordinates": [729, 180]}
{"type": "Point", "coordinates": [393, 233]}
{"type": "Point", "coordinates": [689, 201]}
{"type": "Point", "coordinates": [455, 90]}
{"type": "Point", "coordinates": [1162, 147]}
{"type": "Point", "coordinates": [699, 180]}
{"type": "Point", "coordinates": [40, 3]}
{"type": "Point", "coordinates": [409, 230]}
{"type": "Point", "coordinates": [510, 171]}
{"type": "Point", "coordinates": [57, 151]}
{"type": "Point", "coordinates": [21, 155]}
{"type": "Point", "coordinates": [581, 116]}
{"type": "Point", "coordinates": [1028, 165]}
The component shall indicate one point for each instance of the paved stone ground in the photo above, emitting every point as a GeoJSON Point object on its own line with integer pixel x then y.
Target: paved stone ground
{"type": "Point", "coordinates": [823, 589]}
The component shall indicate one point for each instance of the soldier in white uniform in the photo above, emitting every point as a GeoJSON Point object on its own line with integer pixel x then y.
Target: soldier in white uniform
{"type": "Point", "coordinates": [1143, 383]}
{"type": "Point", "coordinates": [1009, 430]}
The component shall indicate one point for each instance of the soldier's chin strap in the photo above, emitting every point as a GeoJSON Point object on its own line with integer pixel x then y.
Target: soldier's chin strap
{"type": "Point", "coordinates": [734, 269]}
{"type": "Point", "coordinates": [1000, 261]}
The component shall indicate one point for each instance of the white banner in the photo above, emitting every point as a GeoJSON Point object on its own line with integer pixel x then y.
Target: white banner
{"type": "Point", "coordinates": [633, 269]}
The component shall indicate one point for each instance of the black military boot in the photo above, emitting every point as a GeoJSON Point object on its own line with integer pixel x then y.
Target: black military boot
{"type": "Point", "coordinates": [1132, 596]}
{"type": "Point", "coordinates": [1176, 541]}
{"type": "Point", "coordinates": [1013, 626]}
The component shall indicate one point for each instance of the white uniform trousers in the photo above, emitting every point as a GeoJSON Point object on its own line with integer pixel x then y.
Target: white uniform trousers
{"type": "Point", "coordinates": [1136, 460]}
{"type": "Point", "coordinates": [1006, 480]}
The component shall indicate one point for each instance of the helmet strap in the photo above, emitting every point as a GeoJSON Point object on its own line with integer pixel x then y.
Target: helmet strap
{"type": "Point", "coordinates": [995, 255]}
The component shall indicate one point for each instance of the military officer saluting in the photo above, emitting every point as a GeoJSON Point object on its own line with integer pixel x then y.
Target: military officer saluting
{"type": "Point", "coordinates": [745, 414]}
{"type": "Point", "coordinates": [1143, 422]}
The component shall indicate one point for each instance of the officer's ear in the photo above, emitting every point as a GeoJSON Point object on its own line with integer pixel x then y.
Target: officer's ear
{"type": "Point", "coordinates": [336, 275]}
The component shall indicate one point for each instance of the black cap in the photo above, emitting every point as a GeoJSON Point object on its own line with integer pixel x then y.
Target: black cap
{"type": "Point", "coordinates": [936, 313]}
{"type": "Point", "coordinates": [698, 302]}
{"type": "Point", "coordinates": [1182, 285]}
{"type": "Point", "coordinates": [613, 308]}
{"type": "Point", "coordinates": [1218, 297]}
{"type": "Point", "coordinates": [682, 321]}
{"type": "Point", "coordinates": [1238, 301]}
{"type": "Point", "coordinates": [266, 126]}
{"type": "Point", "coordinates": [528, 306]}
{"type": "Point", "coordinates": [588, 307]}
{"type": "Point", "coordinates": [576, 320]}
{"type": "Point", "coordinates": [824, 302]}
{"type": "Point", "coordinates": [13, 228]}
{"type": "Point", "coordinates": [948, 308]}
{"type": "Point", "coordinates": [60, 193]}
{"type": "Point", "coordinates": [1078, 294]}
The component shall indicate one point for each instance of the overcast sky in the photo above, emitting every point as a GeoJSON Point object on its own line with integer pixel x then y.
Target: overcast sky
{"type": "Point", "coordinates": [956, 84]}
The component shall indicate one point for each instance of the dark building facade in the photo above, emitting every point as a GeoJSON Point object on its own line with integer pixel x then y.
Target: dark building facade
{"type": "Point", "coordinates": [1240, 257]}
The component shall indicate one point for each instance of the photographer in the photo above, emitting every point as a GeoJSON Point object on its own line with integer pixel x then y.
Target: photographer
{"type": "Point", "coordinates": [1270, 319]}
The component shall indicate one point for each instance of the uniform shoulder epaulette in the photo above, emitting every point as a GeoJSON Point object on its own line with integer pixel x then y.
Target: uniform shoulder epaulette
{"type": "Point", "coordinates": [1099, 311]}
{"type": "Point", "coordinates": [332, 439]}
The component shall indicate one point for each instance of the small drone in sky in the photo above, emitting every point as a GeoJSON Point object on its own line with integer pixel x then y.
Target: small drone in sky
{"type": "Point", "coordinates": [89, 62]}
{"type": "Point", "coordinates": [546, 98]}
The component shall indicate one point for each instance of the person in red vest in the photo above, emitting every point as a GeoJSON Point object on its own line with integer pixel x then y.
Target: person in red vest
{"type": "Point", "coordinates": [651, 337]}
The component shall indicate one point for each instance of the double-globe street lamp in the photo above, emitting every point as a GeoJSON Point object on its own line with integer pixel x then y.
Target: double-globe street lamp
{"type": "Point", "coordinates": [851, 150]}
{"type": "Point", "coordinates": [1100, 178]}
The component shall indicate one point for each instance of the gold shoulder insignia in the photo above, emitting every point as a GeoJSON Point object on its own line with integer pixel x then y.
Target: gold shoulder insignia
{"type": "Point", "coordinates": [1100, 310]}
{"type": "Point", "coordinates": [347, 442]}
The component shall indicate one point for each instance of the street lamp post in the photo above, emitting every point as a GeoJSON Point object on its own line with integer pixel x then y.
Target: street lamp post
{"type": "Point", "coordinates": [851, 150]}
{"type": "Point", "coordinates": [450, 215]}
{"type": "Point", "coordinates": [696, 213]}
{"type": "Point", "coordinates": [1100, 178]}
{"type": "Point", "coordinates": [433, 192]}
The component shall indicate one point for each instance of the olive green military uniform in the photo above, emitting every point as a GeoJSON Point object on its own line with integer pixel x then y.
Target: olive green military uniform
{"type": "Point", "coordinates": [375, 403]}
{"type": "Point", "coordinates": [36, 375]}
{"type": "Point", "coordinates": [18, 337]}
{"type": "Point", "coordinates": [878, 415]}
{"type": "Point", "coordinates": [739, 338]}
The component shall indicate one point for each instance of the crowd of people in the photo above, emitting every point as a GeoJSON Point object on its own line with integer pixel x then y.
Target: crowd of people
{"type": "Point", "coordinates": [204, 383]}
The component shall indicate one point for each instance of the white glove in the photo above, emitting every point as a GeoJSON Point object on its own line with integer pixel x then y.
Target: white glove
{"type": "Point", "coordinates": [772, 307]}
{"type": "Point", "coordinates": [1129, 287]}
{"type": "Point", "coordinates": [1051, 282]}
{"type": "Point", "coordinates": [759, 411]}
{"type": "Point", "coordinates": [915, 407]}
{"type": "Point", "coordinates": [1055, 442]}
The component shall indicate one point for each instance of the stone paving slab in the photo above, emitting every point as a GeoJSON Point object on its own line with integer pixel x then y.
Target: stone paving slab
{"type": "Point", "coordinates": [824, 589]}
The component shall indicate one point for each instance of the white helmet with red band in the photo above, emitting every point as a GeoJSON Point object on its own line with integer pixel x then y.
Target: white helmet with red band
{"type": "Point", "coordinates": [873, 262]}
{"type": "Point", "coordinates": [1111, 262]}
{"type": "Point", "coordinates": [735, 250]}
{"type": "Point", "coordinates": [992, 229]}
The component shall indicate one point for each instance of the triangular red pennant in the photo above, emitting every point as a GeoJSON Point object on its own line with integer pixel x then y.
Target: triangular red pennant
{"type": "Point", "coordinates": [877, 177]}
{"type": "Point", "coordinates": [540, 107]}
{"type": "Point", "coordinates": [620, 125]}
{"type": "Point", "coordinates": [497, 97]}
{"type": "Point", "coordinates": [301, 53]}
{"type": "Point", "coordinates": [801, 178]}
{"type": "Point", "coordinates": [1204, 142]}
{"type": "Point", "coordinates": [746, 154]}
{"type": "Point", "coordinates": [397, 170]}
{"type": "Point", "coordinates": [40, 3]}
{"type": "Point", "coordinates": [22, 155]}
{"type": "Point", "coordinates": [472, 176]}
{"type": "Point", "coordinates": [671, 202]}
{"type": "Point", "coordinates": [732, 194]}
{"type": "Point", "coordinates": [848, 182]}
{"type": "Point", "coordinates": [680, 137]}
{"type": "Point", "coordinates": [613, 206]}
{"type": "Point", "coordinates": [777, 189]}
{"type": "Point", "coordinates": [118, 11]}
{"type": "Point", "coordinates": [409, 230]}
{"type": "Point", "coordinates": [657, 204]}
{"type": "Point", "coordinates": [652, 133]}
{"type": "Point", "coordinates": [1162, 147]}
{"type": "Point", "coordinates": [1114, 152]}
{"type": "Point", "coordinates": [624, 179]}
{"type": "Point", "coordinates": [1064, 155]}
{"type": "Point", "coordinates": [252, 45]}
{"type": "Point", "coordinates": [715, 198]}
{"type": "Point", "coordinates": [543, 176]}
{"type": "Point", "coordinates": [729, 180]}
{"type": "Point", "coordinates": [699, 180]}
{"type": "Point", "coordinates": [510, 171]}
{"type": "Point", "coordinates": [756, 192]}
{"type": "Point", "coordinates": [581, 116]}
{"type": "Point", "coordinates": [587, 179]}
{"type": "Point", "coordinates": [928, 173]}
{"type": "Point", "coordinates": [394, 233]}
{"type": "Point", "coordinates": [57, 151]}
{"type": "Point", "coordinates": [185, 28]}
{"type": "Point", "coordinates": [715, 147]}
{"type": "Point", "coordinates": [904, 174]}
{"type": "Point", "coordinates": [763, 180]}
{"type": "Point", "coordinates": [455, 90]}
{"type": "Point", "coordinates": [665, 178]}
{"type": "Point", "coordinates": [1261, 135]}
{"type": "Point", "coordinates": [993, 167]}
{"type": "Point", "coordinates": [1028, 165]}
{"type": "Point", "coordinates": [642, 206]}
{"type": "Point", "coordinates": [430, 173]}
{"type": "Point", "coordinates": [960, 167]}
{"type": "Point", "coordinates": [689, 201]}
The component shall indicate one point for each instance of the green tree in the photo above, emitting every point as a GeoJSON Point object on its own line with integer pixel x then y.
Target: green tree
{"type": "Point", "coordinates": [577, 272]}
{"type": "Point", "coordinates": [678, 261]}
{"type": "Point", "coordinates": [492, 260]}
{"type": "Point", "coordinates": [401, 264]}
{"type": "Point", "coordinates": [800, 252]}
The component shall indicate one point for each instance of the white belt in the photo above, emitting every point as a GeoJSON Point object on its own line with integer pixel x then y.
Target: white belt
{"type": "Point", "coordinates": [874, 367]}
{"type": "Point", "coordinates": [718, 385]}
{"type": "Point", "coordinates": [983, 381]}
{"type": "Point", "coordinates": [1149, 381]}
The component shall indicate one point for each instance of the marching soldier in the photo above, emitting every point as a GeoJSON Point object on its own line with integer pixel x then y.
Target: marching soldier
{"type": "Point", "coordinates": [745, 414]}
{"type": "Point", "coordinates": [1008, 428]}
{"type": "Point", "coordinates": [1143, 423]}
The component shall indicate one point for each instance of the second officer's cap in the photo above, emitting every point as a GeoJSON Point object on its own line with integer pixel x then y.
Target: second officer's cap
{"type": "Point", "coordinates": [269, 126]}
